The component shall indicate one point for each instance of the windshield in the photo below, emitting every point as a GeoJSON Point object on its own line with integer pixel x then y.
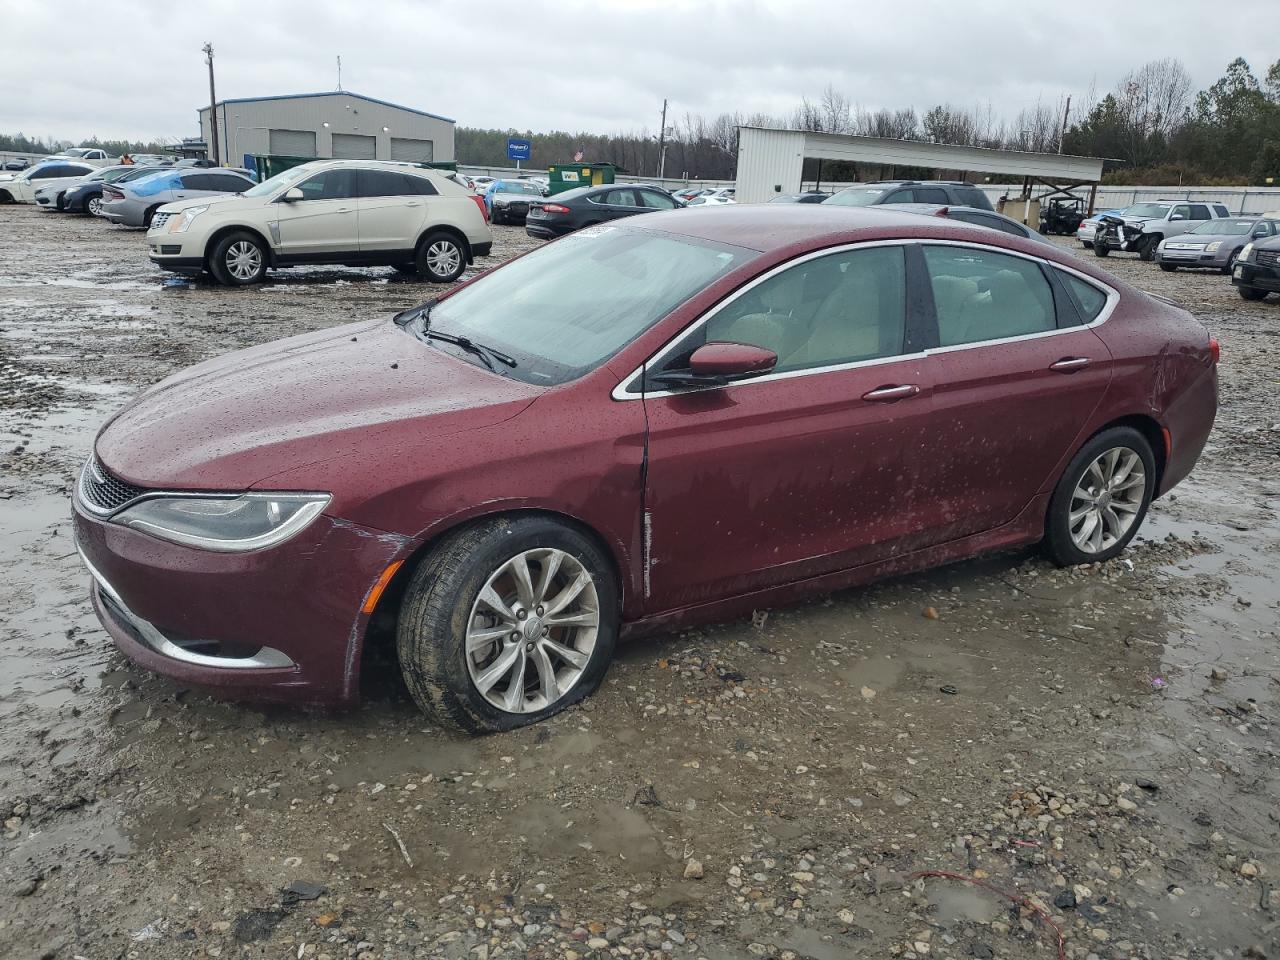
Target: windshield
{"type": "Point", "coordinates": [1147, 210]}
{"type": "Point", "coordinates": [1226, 228]}
{"type": "Point", "coordinates": [517, 186]}
{"type": "Point", "coordinates": [283, 179]}
{"type": "Point", "coordinates": [856, 197]}
{"type": "Point", "coordinates": [566, 307]}
{"type": "Point", "coordinates": [76, 152]}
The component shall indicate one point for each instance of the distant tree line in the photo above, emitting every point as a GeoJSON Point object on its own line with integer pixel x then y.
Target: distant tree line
{"type": "Point", "coordinates": [1151, 127]}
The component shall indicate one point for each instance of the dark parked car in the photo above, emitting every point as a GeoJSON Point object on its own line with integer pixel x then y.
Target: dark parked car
{"type": "Point", "coordinates": [681, 418]}
{"type": "Point", "coordinates": [509, 200]}
{"type": "Point", "coordinates": [1256, 271]}
{"type": "Point", "coordinates": [951, 192]}
{"type": "Point", "coordinates": [587, 206]}
{"type": "Point", "coordinates": [811, 196]}
{"type": "Point", "coordinates": [979, 218]}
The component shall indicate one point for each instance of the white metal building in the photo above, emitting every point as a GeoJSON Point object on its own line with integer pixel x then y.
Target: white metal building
{"type": "Point", "coordinates": [771, 161]}
{"type": "Point", "coordinates": [338, 124]}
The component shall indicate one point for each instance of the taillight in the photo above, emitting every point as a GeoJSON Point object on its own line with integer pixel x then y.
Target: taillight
{"type": "Point", "coordinates": [484, 211]}
{"type": "Point", "coordinates": [1214, 350]}
{"type": "Point", "coordinates": [554, 208]}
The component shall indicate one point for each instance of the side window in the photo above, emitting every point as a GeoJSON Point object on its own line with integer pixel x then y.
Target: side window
{"type": "Point", "coordinates": [834, 309]}
{"type": "Point", "coordinates": [655, 200]}
{"type": "Point", "coordinates": [48, 173]}
{"type": "Point", "coordinates": [1182, 210]}
{"type": "Point", "coordinates": [902, 196]}
{"type": "Point", "coordinates": [973, 197]}
{"type": "Point", "coordinates": [620, 198]}
{"type": "Point", "coordinates": [983, 295]}
{"type": "Point", "coordinates": [384, 183]}
{"type": "Point", "coordinates": [330, 185]}
{"type": "Point", "coordinates": [1200, 212]}
{"type": "Point", "coordinates": [931, 195]}
{"type": "Point", "coordinates": [1089, 299]}
{"type": "Point", "coordinates": [196, 181]}
{"type": "Point", "coordinates": [230, 182]}
{"type": "Point", "coordinates": [986, 220]}
{"type": "Point", "coordinates": [1222, 211]}
{"type": "Point", "coordinates": [420, 186]}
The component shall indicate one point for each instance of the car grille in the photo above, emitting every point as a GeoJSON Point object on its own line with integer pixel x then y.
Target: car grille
{"type": "Point", "coordinates": [1269, 258]}
{"type": "Point", "coordinates": [104, 493]}
{"type": "Point", "coordinates": [159, 220]}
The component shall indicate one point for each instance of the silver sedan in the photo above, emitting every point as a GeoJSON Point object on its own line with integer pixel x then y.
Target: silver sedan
{"type": "Point", "coordinates": [134, 203]}
{"type": "Point", "coordinates": [1215, 244]}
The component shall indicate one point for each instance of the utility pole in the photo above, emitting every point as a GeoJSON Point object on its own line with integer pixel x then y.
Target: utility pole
{"type": "Point", "coordinates": [213, 107]}
{"type": "Point", "coordinates": [662, 142]}
{"type": "Point", "coordinates": [339, 74]}
{"type": "Point", "coordinates": [1065, 113]}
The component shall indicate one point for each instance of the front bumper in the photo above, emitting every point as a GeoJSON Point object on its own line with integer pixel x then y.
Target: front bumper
{"type": "Point", "coordinates": [1258, 276]}
{"type": "Point", "coordinates": [171, 252]}
{"type": "Point", "coordinates": [284, 623]}
{"type": "Point", "coordinates": [1193, 258]}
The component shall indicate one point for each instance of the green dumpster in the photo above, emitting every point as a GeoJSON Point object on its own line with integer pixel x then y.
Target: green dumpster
{"type": "Point", "coordinates": [567, 176]}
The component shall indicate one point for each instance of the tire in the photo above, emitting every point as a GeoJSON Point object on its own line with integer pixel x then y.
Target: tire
{"type": "Point", "coordinates": [442, 600]}
{"type": "Point", "coordinates": [238, 259]}
{"type": "Point", "coordinates": [495, 217]}
{"type": "Point", "coordinates": [1106, 536]}
{"type": "Point", "coordinates": [6, 196]}
{"type": "Point", "coordinates": [1100, 250]}
{"type": "Point", "coordinates": [93, 205]}
{"type": "Point", "coordinates": [442, 258]}
{"type": "Point", "coordinates": [1252, 293]}
{"type": "Point", "coordinates": [408, 269]}
{"type": "Point", "coordinates": [1088, 245]}
{"type": "Point", "coordinates": [60, 201]}
{"type": "Point", "coordinates": [1168, 267]}
{"type": "Point", "coordinates": [1147, 248]}
{"type": "Point", "coordinates": [1231, 263]}
{"type": "Point", "coordinates": [148, 216]}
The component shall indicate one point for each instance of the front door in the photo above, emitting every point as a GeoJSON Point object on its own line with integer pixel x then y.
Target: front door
{"type": "Point", "coordinates": [805, 470]}
{"type": "Point", "coordinates": [1016, 379]}
{"type": "Point", "coordinates": [322, 225]}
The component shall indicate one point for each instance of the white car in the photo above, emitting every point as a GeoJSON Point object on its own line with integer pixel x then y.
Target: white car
{"type": "Point", "coordinates": [351, 212]}
{"type": "Point", "coordinates": [714, 198]}
{"type": "Point", "coordinates": [21, 187]}
{"type": "Point", "coordinates": [49, 194]}
{"type": "Point", "coordinates": [93, 155]}
{"type": "Point", "coordinates": [481, 184]}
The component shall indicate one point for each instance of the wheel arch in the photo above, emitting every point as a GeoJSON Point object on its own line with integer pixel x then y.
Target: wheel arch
{"type": "Point", "coordinates": [217, 235]}
{"type": "Point", "coordinates": [452, 231]}
{"type": "Point", "coordinates": [1147, 425]}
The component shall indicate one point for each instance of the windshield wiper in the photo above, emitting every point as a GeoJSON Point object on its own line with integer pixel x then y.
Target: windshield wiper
{"type": "Point", "coordinates": [466, 343]}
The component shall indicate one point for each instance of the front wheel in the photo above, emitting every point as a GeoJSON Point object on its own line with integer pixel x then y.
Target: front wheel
{"type": "Point", "coordinates": [495, 216]}
{"type": "Point", "coordinates": [238, 260]}
{"type": "Point", "coordinates": [1252, 293]}
{"type": "Point", "coordinates": [94, 205]}
{"type": "Point", "coordinates": [441, 258]}
{"type": "Point", "coordinates": [1147, 248]}
{"type": "Point", "coordinates": [1168, 267]}
{"type": "Point", "coordinates": [1102, 498]}
{"type": "Point", "coordinates": [506, 623]}
{"type": "Point", "coordinates": [1100, 249]}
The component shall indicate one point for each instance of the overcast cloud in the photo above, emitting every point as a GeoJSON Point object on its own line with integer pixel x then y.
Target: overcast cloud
{"type": "Point", "coordinates": [73, 69]}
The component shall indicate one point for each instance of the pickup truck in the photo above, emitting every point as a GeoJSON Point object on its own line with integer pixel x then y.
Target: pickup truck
{"type": "Point", "coordinates": [1140, 228]}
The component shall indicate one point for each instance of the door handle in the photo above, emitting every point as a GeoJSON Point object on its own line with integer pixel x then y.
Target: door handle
{"type": "Point", "coordinates": [889, 394]}
{"type": "Point", "coordinates": [1069, 364]}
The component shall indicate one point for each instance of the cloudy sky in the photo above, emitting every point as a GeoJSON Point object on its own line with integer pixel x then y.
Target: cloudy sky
{"type": "Point", "coordinates": [75, 68]}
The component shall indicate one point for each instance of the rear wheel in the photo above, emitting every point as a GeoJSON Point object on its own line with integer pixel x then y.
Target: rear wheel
{"type": "Point", "coordinates": [238, 260]}
{"type": "Point", "coordinates": [1252, 293]}
{"type": "Point", "coordinates": [441, 258]}
{"type": "Point", "coordinates": [506, 623]}
{"type": "Point", "coordinates": [1102, 498]}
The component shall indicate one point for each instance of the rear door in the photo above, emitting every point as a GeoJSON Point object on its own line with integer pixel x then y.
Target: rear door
{"type": "Point", "coordinates": [653, 200]}
{"type": "Point", "coordinates": [393, 208]}
{"type": "Point", "coordinates": [810, 469]}
{"type": "Point", "coordinates": [1017, 374]}
{"type": "Point", "coordinates": [322, 225]}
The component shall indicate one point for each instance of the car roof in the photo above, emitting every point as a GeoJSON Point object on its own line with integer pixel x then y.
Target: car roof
{"type": "Point", "coordinates": [767, 227]}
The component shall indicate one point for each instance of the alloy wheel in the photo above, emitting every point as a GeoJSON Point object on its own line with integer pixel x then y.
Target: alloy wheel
{"type": "Point", "coordinates": [443, 258]}
{"type": "Point", "coordinates": [243, 259]}
{"type": "Point", "coordinates": [532, 630]}
{"type": "Point", "coordinates": [1107, 500]}
{"type": "Point", "coordinates": [95, 206]}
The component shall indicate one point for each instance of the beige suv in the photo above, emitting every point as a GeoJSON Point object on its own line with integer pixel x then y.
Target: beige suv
{"type": "Point", "coordinates": [351, 212]}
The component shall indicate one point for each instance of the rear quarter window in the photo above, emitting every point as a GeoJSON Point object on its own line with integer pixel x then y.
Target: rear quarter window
{"type": "Point", "coordinates": [1089, 300]}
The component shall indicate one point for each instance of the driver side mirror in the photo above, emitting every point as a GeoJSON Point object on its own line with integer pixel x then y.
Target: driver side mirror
{"type": "Point", "coordinates": [1260, 233]}
{"type": "Point", "coordinates": [717, 364]}
{"type": "Point", "coordinates": [293, 195]}
{"type": "Point", "coordinates": [1177, 216]}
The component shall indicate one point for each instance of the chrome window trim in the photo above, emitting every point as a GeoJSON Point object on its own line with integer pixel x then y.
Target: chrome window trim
{"type": "Point", "coordinates": [620, 392]}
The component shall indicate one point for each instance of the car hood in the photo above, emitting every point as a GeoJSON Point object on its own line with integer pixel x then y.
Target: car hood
{"type": "Point", "coordinates": [234, 421]}
{"type": "Point", "coordinates": [1205, 238]}
{"type": "Point", "coordinates": [225, 202]}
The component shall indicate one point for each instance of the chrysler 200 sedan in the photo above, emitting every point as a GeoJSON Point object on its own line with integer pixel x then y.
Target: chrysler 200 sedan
{"type": "Point", "coordinates": [643, 425]}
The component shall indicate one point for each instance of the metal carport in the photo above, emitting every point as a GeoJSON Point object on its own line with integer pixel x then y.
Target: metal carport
{"type": "Point", "coordinates": [771, 161]}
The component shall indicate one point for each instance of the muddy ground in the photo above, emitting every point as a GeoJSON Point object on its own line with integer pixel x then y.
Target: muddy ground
{"type": "Point", "coordinates": [1100, 743]}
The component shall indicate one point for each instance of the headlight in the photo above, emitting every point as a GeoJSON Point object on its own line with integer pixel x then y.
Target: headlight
{"type": "Point", "coordinates": [231, 524]}
{"type": "Point", "coordinates": [180, 224]}
{"type": "Point", "coordinates": [1245, 253]}
{"type": "Point", "coordinates": [1213, 246]}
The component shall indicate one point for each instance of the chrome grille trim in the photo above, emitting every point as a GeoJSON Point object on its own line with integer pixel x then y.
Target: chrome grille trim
{"type": "Point", "coordinates": [103, 494]}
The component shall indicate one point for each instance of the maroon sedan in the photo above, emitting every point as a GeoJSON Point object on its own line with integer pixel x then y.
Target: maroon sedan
{"type": "Point", "coordinates": [640, 426]}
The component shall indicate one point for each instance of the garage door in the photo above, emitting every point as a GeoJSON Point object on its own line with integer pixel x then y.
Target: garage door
{"type": "Point", "coordinates": [292, 143]}
{"type": "Point", "coordinates": [352, 146]}
{"type": "Point", "coordinates": [416, 151]}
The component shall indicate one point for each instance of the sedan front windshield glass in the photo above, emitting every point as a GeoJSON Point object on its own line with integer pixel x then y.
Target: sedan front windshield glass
{"type": "Point", "coordinates": [282, 179]}
{"type": "Point", "coordinates": [856, 197]}
{"type": "Point", "coordinates": [565, 308]}
{"type": "Point", "coordinates": [1226, 228]}
{"type": "Point", "coordinates": [518, 186]}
